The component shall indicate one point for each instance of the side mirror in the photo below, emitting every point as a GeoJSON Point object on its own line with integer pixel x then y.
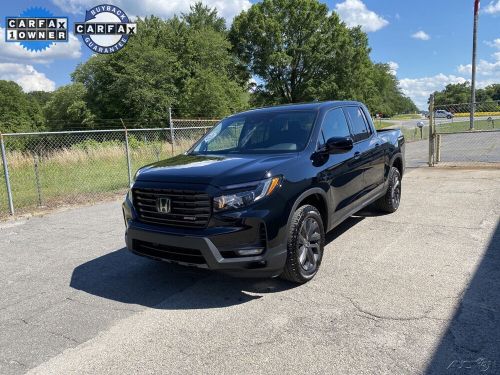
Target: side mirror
{"type": "Point", "coordinates": [338, 145]}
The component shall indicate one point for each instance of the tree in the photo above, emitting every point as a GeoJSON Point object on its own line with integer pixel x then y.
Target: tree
{"type": "Point", "coordinates": [460, 93]}
{"type": "Point", "coordinates": [41, 97]}
{"type": "Point", "coordinates": [387, 97]}
{"type": "Point", "coordinates": [292, 45]}
{"type": "Point", "coordinates": [162, 66]}
{"type": "Point", "coordinates": [18, 113]}
{"type": "Point", "coordinates": [202, 17]}
{"type": "Point", "coordinates": [67, 108]}
{"type": "Point", "coordinates": [454, 93]}
{"type": "Point", "coordinates": [303, 52]}
{"type": "Point", "coordinates": [493, 91]}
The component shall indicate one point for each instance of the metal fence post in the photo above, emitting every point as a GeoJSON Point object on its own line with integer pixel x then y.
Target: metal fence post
{"type": "Point", "coordinates": [37, 179]}
{"type": "Point", "coordinates": [431, 131]}
{"type": "Point", "coordinates": [438, 148]}
{"type": "Point", "coordinates": [7, 177]}
{"type": "Point", "coordinates": [127, 152]}
{"type": "Point", "coordinates": [172, 139]}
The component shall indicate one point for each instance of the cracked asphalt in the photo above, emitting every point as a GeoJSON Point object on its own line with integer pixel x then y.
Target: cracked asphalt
{"type": "Point", "coordinates": [408, 293]}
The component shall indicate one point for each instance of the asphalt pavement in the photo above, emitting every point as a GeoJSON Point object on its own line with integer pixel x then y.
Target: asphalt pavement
{"type": "Point", "coordinates": [408, 293]}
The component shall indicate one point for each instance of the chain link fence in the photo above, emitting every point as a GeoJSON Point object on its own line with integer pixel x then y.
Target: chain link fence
{"type": "Point", "coordinates": [75, 167]}
{"type": "Point", "coordinates": [460, 141]}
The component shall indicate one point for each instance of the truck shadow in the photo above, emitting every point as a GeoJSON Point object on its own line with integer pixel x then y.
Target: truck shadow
{"type": "Point", "coordinates": [471, 343]}
{"type": "Point", "coordinates": [124, 277]}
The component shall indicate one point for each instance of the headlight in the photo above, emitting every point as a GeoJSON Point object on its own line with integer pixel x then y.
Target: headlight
{"type": "Point", "coordinates": [254, 193]}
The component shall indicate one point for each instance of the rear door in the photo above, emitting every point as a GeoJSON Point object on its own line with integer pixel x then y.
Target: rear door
{"type": "Point", "coordinates": [362, 135]}
{"type": "Point", "coordinates": [342, 171]}
{"type": "Point", "coordinates": [376, 152]}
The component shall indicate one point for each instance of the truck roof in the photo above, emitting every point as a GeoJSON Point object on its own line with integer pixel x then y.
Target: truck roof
{"type": "Point", "coordinates": [303, 106]}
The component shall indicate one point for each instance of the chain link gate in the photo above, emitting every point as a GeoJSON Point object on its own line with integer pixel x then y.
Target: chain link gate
{"type": "Point", "coordinates": [457, 140]}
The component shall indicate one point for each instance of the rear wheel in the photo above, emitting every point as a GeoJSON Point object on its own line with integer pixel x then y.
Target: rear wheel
{"type": "Point", "coordinates": [392, 198]}
{"type": "Point", "coordinates": [306, 240]}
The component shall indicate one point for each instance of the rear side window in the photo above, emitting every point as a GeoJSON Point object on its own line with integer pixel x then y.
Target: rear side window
{"type": "Point", "coordinates": [335, 125]}
{"type": "Point", "coordinates": [359, 125]}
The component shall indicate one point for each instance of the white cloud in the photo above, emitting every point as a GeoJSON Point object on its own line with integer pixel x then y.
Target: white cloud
{"type": "Point", "coordinates": [355, 13]}
{"type": "Point", "coordinates": [226, 8]}
{"type": "Point", "coordinates": [494, 43]}
{"type": "Point", "coordinates": [14, 52]}
{"type": "Point", "coordinates": [394, 67]}
{"type": "Point", "coordinates": [26, 76]}
{"type": "Point", "coordinates": [484, 68]}
{"type": "Point", "coordinates": [422, 35]}
{"type": "Point", "coordinates": [493, 7]}
{"type": "Point", "coordinates": [419, 89]}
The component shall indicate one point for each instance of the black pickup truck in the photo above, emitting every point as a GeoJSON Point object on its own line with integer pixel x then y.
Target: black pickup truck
{"type": "Point", "coordinates": [256, 195]}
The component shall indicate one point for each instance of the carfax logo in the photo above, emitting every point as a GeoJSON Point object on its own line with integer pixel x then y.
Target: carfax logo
{"type": "Point", "coordinates": [106, 29]}
{"type": "Point", "coordinates": [36, 29]}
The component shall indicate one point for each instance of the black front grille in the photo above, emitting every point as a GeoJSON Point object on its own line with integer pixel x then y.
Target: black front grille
{"type": "Point", "coordinates": [173, 253]}
{"type": "Point", "coordinates": [188, 209]}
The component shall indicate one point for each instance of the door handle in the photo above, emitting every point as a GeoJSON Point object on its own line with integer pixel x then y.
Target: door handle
{"type": "Point", "coordinates": [357, 155]}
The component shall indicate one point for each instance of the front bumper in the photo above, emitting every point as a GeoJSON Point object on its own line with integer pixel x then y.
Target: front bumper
{"type": "Point", "coordinates": [215, 248]}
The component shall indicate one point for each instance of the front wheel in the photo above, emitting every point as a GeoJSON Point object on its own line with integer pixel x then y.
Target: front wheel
{"type": "Point", "coordinates": [306, 240]}
{"type": "Point", "coordinates": [392, 198]}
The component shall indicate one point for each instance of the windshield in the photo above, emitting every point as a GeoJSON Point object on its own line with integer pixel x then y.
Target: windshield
{"type": "Point", "coordinates": [259, 132]}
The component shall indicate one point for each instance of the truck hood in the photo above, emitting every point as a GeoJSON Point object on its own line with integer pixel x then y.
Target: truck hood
{"type": "Point", "coordinates": [213, 170]}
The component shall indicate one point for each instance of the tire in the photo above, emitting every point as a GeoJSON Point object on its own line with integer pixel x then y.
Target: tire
{"type": "Point", "coordinates": [392, 198]}
{"type": "Point", "coordinates": [448, 117]}
{"type": "Point", "coordinates": [306, 241]}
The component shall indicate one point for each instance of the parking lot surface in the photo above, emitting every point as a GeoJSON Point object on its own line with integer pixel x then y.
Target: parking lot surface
{"type": "Point", "coordinates": [408, 293]}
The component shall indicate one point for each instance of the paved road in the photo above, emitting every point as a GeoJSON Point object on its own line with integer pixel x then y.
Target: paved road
{"type": "Point", "coordinates": [405, 293]}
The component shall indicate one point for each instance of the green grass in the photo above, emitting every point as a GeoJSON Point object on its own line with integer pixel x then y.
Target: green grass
{"type": "Point", "coordinates": [411, 116]}
{"type": "Point", "coordinates": [460, 126]}
{"type": "Point", "coordinates": [74, 176]}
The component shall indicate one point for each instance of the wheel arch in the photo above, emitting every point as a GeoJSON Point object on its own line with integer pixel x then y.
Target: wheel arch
{"type": "Point", "coordinates": [397, 161]}
{"type": "Point", "coordinates": [315, 197]}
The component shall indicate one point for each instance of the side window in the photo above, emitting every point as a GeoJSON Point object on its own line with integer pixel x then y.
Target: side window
{"type": "Point", "coordinates": [360, 128]}
{"type": "Point", "coordinates": [335, 125]}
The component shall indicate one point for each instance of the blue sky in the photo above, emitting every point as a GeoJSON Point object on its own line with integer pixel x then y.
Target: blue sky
{"type": "Point", "coordinates": [428, 43]}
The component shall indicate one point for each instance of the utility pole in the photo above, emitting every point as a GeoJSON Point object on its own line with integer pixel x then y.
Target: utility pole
{"type": "Point", "coordinates": [474, 50]}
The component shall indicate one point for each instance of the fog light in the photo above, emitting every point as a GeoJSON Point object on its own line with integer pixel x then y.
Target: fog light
{"type": "Point", "coordinates": [247, 252]}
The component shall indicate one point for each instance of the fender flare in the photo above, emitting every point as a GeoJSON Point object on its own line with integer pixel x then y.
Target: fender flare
{"type": "Point", "coordinates": [301, 197]}
{"type": "Point", "coordinates": [397, 155]}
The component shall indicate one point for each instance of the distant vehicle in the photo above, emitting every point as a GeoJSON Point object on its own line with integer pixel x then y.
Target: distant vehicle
{"type": "Point", "coordinates": [257, 194]}
{"type": "Point", "coordinates": [441, 113]}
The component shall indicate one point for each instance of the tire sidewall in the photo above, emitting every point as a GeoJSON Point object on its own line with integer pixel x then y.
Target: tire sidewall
{"type": "Point", "coordinates": [308, 212]}
{"type": "Point", "coordinates": [395, 177]}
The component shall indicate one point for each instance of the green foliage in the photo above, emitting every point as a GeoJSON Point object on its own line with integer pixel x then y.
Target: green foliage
{"type": "Point", "coordinates": [303, 52]}
{"type": "Point", "coordinates": [203, 17]}
{"type": "Point", "coordinates": [67, 107]}
{"type": "Point", "coordinates": [18, 111]}
{"type": "Point", "coordinates": [387, 98]}
{"type": "Point", "coordinates": [461, 93]}
{"type": "Point", "coordinates": [298, 48]}
{"type": "Point", "coordinates": [185, 63]}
